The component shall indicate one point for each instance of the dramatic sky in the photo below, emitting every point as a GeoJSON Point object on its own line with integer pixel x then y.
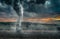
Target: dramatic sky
{"type": "Point", "coordinates": [50, 8]}
{"type": "Point", "coordinates": [7, 11]}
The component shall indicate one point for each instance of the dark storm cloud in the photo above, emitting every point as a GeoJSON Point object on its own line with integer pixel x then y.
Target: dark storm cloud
{"type": "Point", "coordinates": [7, 11]}
{"type": "Point", "coordinates": [35, 8]}
{"type": "Point", "coordinates": [51, 9]}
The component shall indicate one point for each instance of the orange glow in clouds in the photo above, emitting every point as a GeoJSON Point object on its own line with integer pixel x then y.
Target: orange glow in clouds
{"type": "Point", "coordinates": [30, 19]}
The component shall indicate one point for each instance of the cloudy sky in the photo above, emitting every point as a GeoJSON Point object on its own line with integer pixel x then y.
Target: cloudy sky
{"type": "Point", "coordinates": [48, 9]}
